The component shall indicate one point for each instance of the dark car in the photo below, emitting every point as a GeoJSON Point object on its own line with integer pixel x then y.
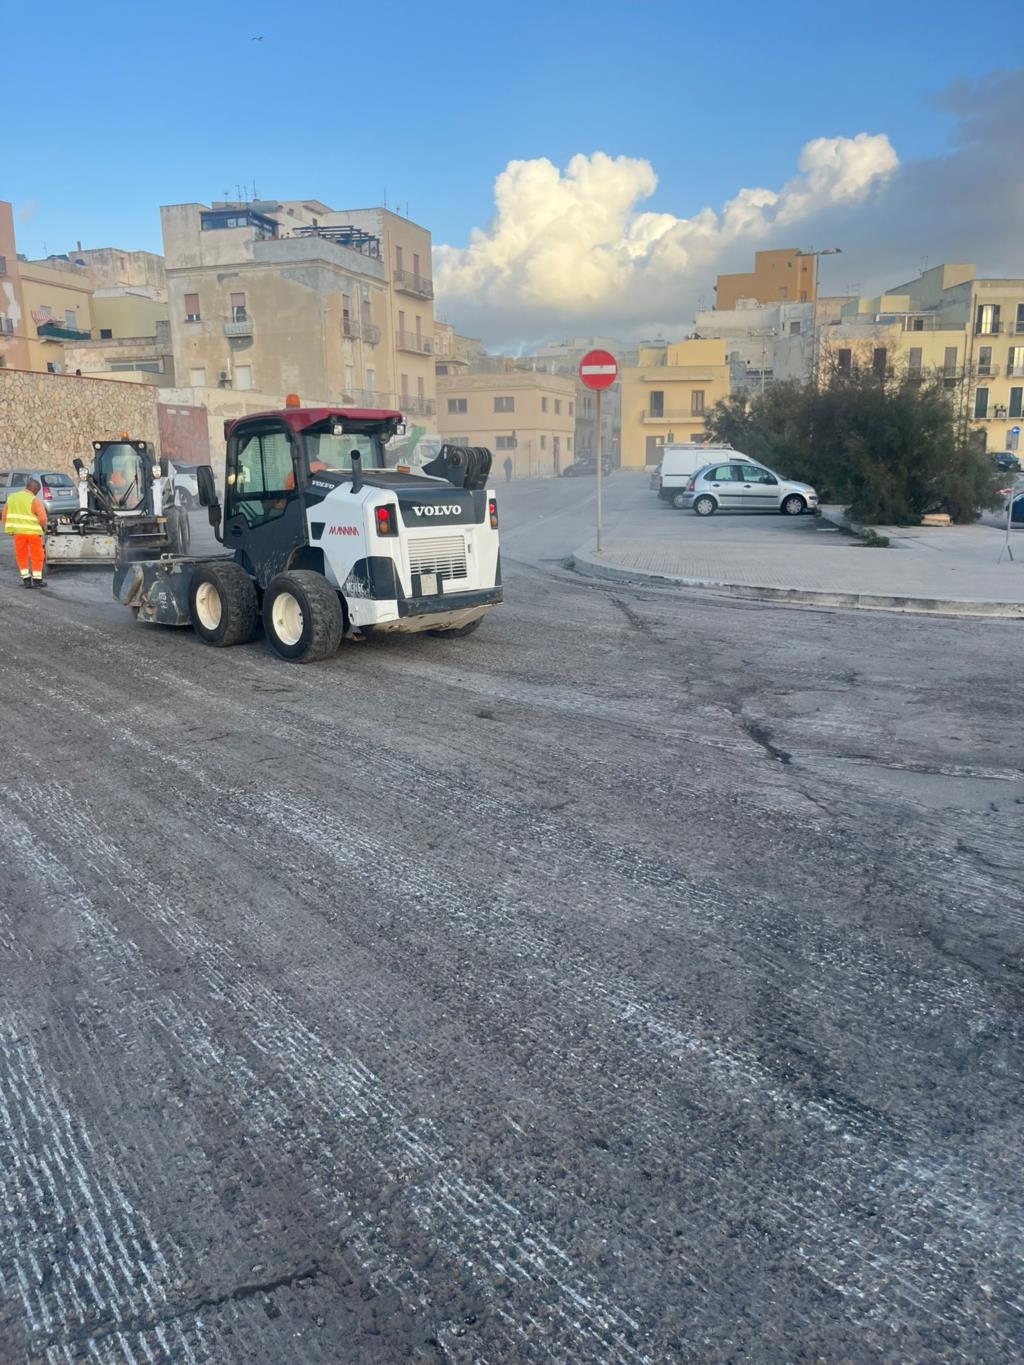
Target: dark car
{"type": "Point", "coordinates": [1006, 462]}
{"type": "Point", "coordinates": [587, 465]}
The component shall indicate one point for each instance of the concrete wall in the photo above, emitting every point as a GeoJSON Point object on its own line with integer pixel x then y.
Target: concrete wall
{"type": "Point", "coordinates": [48, 419]}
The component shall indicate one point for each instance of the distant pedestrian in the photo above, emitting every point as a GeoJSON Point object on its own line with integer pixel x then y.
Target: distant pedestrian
{"type": "Point", "coordinates": [508, 468]}
{"type": "Point", "coordinates": [24, 518]}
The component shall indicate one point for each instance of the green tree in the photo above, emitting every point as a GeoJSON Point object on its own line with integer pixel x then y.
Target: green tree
{"type": "Point", "coordinates": [886, 446]}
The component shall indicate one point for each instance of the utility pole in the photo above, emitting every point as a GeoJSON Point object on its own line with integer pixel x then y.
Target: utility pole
{"type": "Point", "coordinates": [826, 251]}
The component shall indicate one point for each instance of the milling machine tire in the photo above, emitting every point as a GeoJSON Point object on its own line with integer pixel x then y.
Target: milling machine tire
{"type": "Point", "coordinates": [179, 531]}
{"type": "Point", "coordinates": [222, 604]}
{"type": "Point", "coordinates": [302, 616]}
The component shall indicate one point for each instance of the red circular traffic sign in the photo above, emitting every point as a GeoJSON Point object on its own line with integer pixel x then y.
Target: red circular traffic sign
{"type": "Point", "coordinates": [599, 370]}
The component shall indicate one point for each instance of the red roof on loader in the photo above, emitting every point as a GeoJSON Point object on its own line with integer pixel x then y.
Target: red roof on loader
{"type": "Point", "coordinates": [298, 419]}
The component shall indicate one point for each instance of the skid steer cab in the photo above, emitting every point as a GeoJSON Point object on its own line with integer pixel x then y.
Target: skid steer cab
{"type": "Point", "coordinates": [324, 539]}
{"type": "Point", "coordinates": [124, 511]}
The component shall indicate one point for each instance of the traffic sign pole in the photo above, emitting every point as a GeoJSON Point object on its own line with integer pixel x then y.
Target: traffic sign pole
{"type": "Point", "coordinates": [598, 371]}
{"type": "Point", "coordinates": [600, 473]}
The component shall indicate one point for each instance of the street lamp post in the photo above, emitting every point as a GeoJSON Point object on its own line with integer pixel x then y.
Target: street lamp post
{"type": "Point", "coordinates": [825, 251]}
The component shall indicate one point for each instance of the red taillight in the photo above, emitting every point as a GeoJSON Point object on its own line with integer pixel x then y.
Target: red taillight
{"type": "Point", "coordinates": [691, 485]}
{"type": "Point", "coordinates": [386, 524]}
{"type": "Point", "coordinates": [47, 494]}
{"type": "Point", "coordinates": [492, 511]}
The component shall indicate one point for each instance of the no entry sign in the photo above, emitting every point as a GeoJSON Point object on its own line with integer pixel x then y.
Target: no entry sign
{"type": "Point", "coordinates": [599, 370]}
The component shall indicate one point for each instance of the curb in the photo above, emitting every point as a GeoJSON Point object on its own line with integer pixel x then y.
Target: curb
{"type": "Point", "coordinates": [585, 565]}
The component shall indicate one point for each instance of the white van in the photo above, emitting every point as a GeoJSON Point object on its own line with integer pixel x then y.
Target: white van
{"type": "Point", "coordinates": [680, 462]}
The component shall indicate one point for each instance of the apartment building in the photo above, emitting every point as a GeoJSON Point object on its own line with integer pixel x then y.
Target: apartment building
{"type": "Point", "coordinates": [945, 322]}
{"type": "Point", "coordinates": [520, 415]}
{"type": "Point", "coordinates": [784, 276]}
{"type": "Point", "coordinates": [563, 357]}
{"type": "Point", "coordinates": [42, 305]}
{"type": "Point", "coordinates": [296, 297]}
{"type": "Point", "coordinates": [667, 395]}
{"type": "Point", "coordinates": [764, 342]}
{"type": "Point", "coordinates": [455, 354]}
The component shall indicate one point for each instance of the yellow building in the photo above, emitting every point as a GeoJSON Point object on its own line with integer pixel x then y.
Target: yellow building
{"type": "Point", "coordinates": [970, 332]}
{"type": "Point", "coordinates": [42, 304]}
{"type": "Point", "coordinates": [777, 277]}
{"type": "Point", "coordinates": [295, 297]}
{"type": "Point", "coordinates": [520, 416]}
{"type": "Point", "coordinates": [666, 397]}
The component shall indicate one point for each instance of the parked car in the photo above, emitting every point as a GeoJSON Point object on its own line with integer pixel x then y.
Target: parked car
{"type": "Point", "coordinates": [586, 465]}
{"type": "Point", "coordinates": [747, 487]}
{"type": "Point", "coordinates": [184, 483]}
{"type": "Point", "coordinates": [680, 462]}
{"type": "Point", "coordinates": [1006, 462]}
{"type": "Point", "coordinates": [58, 492]}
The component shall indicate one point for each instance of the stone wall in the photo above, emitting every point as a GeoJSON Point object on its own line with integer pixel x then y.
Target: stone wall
{"type": "Point", "coordinates": [48, 419]}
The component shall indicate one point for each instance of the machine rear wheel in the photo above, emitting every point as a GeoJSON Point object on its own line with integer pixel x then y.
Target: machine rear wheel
{"type": "Point", "coordinates": [302, 616]}
{"type": "Point", "coordinates": [222, 604]}
{"type": "Point", "coordinates": [179, 531]}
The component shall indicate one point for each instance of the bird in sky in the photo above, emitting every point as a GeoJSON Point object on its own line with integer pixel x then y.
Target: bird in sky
{"type": "Point", "coordinates": [259, 39]}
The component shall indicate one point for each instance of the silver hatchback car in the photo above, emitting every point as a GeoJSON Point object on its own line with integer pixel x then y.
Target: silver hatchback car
{"type": "Point", "coordinates": [59, 492]}
{"type": "Point", "coordinates": [742, 486]}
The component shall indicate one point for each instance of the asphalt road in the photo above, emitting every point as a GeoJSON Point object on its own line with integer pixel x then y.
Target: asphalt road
{"type": "Point", "coordinates": [636, 980]}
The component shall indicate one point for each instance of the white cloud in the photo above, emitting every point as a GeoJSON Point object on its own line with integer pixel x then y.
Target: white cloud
{"type": "Point", "coordinates": [572, 248]}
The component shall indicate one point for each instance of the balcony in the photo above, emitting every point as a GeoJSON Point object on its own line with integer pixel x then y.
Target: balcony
{"type": "Point", "coordinates": [672, 415]}
{"type": "Point", "coordinates": [56, 331]}
{"type": "Point", "coordinates": [368, 398]}
{"type": "Point", "coordinates": [988, 371]}
{"type": "Point", "coordinates": [1015, 371]}
{"type": "Point", "coordinates": [410, 341]}
{"type": "Point", "coordinates": [356, 331]}
{"type": "Point", "coordinates": [989, 329]}
{"type": "Point", "coordinates": [238, 326]}
{"type": "Point", "coordinates": [418, 407]}
{"type": "Point", "coordinates": [417, 285]}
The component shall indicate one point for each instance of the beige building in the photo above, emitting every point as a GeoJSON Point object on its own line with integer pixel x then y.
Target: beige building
{"type": "Point", "coordinates": [667, 395]}
{"type": "Point", "coordinates": [294, 297]}
{"type": "Point", "coordinates": [455, 354]}
{"type": "Point", "coordinates": [42, 305]}
{"type": "Point", "coordinates": [945, 322]}
{"type": "Point", "coordinates": [520, 416]}
{"type": "Point", "coordinates": [777, 277]}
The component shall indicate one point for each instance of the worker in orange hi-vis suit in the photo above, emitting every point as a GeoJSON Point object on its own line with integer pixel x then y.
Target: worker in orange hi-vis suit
{"type": "Point", "coordinates": [24, 518]}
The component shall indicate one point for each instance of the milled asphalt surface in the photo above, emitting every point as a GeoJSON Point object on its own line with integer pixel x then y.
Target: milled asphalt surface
{"type": "Point", "coordinates": [636, 980]}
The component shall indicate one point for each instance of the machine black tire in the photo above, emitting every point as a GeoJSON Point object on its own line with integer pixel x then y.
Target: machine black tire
{"type": "Point", "coordinates": [179, 531]}
{"type": "Point", "coordinates": [222, 604]}
{"type": "Point", "coordinates": [302, 616]}
{"type": "Point", "coordinates": [705, 505]}
{"type": "Point", "coordinates": [679, 500]}
{"type": "Point", "coordinates": [793, 506]}
{"type": "Point", "coordinates": [457, 632]}
{"type": "Point", "coordinates": [184, 499]}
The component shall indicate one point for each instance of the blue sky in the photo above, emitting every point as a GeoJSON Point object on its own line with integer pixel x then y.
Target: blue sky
{"type": "Point", "coordinates": [126, 111]}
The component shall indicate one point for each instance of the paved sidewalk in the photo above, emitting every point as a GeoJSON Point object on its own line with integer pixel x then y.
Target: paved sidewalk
{"type": "Point", "coordinates": [952, 570]}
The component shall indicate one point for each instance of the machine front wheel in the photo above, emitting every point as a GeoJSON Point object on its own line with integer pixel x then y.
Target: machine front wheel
{"type": "Point", "coordinates": [222, 604]}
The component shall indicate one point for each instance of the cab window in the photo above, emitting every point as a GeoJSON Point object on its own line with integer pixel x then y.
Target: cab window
{"type": "Point", "coordinates": [260, 475]}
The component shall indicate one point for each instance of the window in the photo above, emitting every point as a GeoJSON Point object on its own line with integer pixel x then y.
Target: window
{"type": "Point", "coordinates": [803, 295]}
{"type": "Point", "coordinates": [70, 319]}
{"type": "Point", "coordinates": [505, 443]}
{"type": "Point", "coordinates": [984, 359]}
{"type": "Point", "coordinates": [1015, 361]}
{"type": "Point", "coordinates": [1016, 394]}
{"type": "Point", "coordinates": [441, 369]}
{"type": "Point", "coordinates": [543, 443]}
{"type": "Point", "coordinates": [697, 403]}
{"type": "Point", "coordinates": [914, 360]}
{"type": "Point", "coordinates": [405, 386]}
{"type": "Point", "coordinates": [398, 258]}
{"type": "Point", "coordinates": [197, 378]}
{"type": "Point", "coordinates": [558, 407]}
{"type": "Point", "coordinates": [783, 291]}
{"type": "Point", "coordinates": [987, 319]}
{"type": "Point", "coordinates": [949, 361]}
{"type": "Point", "coordinates": [456, 404]}
{"type": "Point", "coordinates": [46, 310]}
{"type": "Point", "coordinates": [1020, 319]}
{"type": "Point", "coordinates": [350, 378]}
{"type": "Point", "coordinates": [238, 313]}
{"type": "Point", "coordinates": [570, 409]}
{"type": "Point", "coordinates": [724, 473]}
{"type": "Point", "coordinates": [420, 393]}
{"type": "Point", "coordinates": [543, 405]}
{"type": "Point", "coordinates": [106, 334]}
{"type": "Point", "coordinates": [346, 315]}
{"type": "Point", "coordinates": [371, 380]}
{"type": "Point", "coordinates": [260, 477]}
{"type": "Point", "coordinates": [365, 311]}
{"type": "Point", "coordinates": [878, 361]}
{"type": "Point", "coordinates": [243, 377]}
{"type": "Point", "coordinates": [568, 443]}
{"type": "Point", "coordinates": [191, 307]}
{"type": "Point", "coordinates": [844, 360]}
{"type": "Point", "coordinates": [504, 405]}
{"type": "Point", "coordinates": [657, 403]}
{"type": "Point", "coordinates": [415, 265]}
{"type": "Point", "coordinates": [981, 403]}
{"type": "Point", "coordinates": [794, 329]}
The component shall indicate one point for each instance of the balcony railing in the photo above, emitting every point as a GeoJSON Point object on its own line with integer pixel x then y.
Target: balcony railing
{"type": "Point", "coordinates": [989, 329]}
{"type": "Point", "coordinates": [988, 371]}
{"type": "Point", "coordinates": [350, 330]}
{"type": "Point", "coordinates": [1015, 371]}
{"type": "Point", "coordinates": [368, 398]}
{"type": "Point", "coordinates": [238, 327]}
{"type": "Point", "coordinates": [418, 285]}
{"type": "Point", "coordinates": [672, 415]}
{"type": "Point", "coordinates": [355, 331]}
{"type": "Point", "coordinates": [418, 407]}
{"type": "Point", "coordinates": [56, 331]}
{"type": "Point", "coordinates": [410, 341]}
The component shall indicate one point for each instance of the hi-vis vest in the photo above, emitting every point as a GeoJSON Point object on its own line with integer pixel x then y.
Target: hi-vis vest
{"type": "Point", "coordinates": [21, 520]}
